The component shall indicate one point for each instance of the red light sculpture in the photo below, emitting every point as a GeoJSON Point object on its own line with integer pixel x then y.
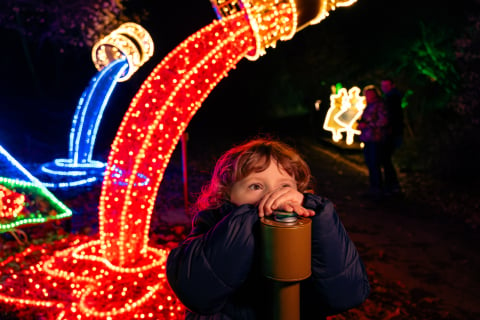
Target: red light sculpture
{"type": "Point", "coordinates": [119, 276]}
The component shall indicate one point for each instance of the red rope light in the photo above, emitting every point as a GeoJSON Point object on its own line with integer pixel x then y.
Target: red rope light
{"type": "Point", "coordinates": [119, 276]}
{"type": "Point", "coordinates": [152, 127]}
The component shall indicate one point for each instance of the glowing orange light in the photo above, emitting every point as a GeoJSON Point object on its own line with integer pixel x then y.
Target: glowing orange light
{"type": "Point", "coordinates": [179, 88]}
{"type": "Point", "coordinates": [129, 40]}
{"type": "Point", "coordinates": [345, 109]}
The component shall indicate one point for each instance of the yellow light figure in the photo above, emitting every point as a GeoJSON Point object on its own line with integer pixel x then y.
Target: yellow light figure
{"type": "Point", "coordinates": [130, 40]}
{"type": "Point", "coordinates": [346, 107]}
{"type": "Point", "coordinates": [329, 124]}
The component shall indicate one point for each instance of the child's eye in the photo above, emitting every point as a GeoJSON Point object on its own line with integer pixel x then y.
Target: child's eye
{"type": "Point", "coordinates": [255, 186]}
{"type": "Point", "coordinates": [287, 185]}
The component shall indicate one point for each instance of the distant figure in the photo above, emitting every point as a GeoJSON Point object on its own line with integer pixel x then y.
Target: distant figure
{"type": "Point", "coordinates": [393, 101]}
{"type": "Point", "coordinates": [373, 125]}
{"type": "Point", "coordinates": [216, 271]}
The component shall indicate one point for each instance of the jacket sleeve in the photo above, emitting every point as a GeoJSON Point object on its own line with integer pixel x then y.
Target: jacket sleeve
{"type": "Point", "coordinates": [205, 269]}
{"type": "Point", "coordinates": [339, 277]}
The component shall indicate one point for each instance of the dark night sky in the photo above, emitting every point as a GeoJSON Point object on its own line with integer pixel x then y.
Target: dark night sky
{"type": "Point", "coordinates": [370, 26]}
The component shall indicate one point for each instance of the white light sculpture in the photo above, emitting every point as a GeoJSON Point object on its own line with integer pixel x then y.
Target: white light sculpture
{"type": "Point", "coordinates": [345, 109]}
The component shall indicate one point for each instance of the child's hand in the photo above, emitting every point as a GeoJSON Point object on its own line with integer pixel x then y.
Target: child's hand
{"type": "Point", "coordinates": [285, 199]}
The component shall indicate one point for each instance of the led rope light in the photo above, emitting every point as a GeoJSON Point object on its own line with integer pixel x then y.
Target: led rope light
{"type": "Point", "coordinates": [177, 96]}
{"type": "Point", "coordinates": [330, 5]}
{"type": "Point", "coordinates": [17, 167]}
{"type": "Point", "coordinates": [119, 276]}
{"type": "Point", "coordinates": [38, 217]}
{"type": "Point", "coordinates": [302, 14]}
{"type": "Point", "coordinates": [117, 57]}
{"type": "Point", "coordinates": [85, 272]}
{"type": "Point", "coordinates": [346, 107]}
{"type": "Point", "coordinates": [129, 40]}
{"type": "Point", "coordinates": [85, 124]}
{"type": "Point", "coordinates": [270, 20]}
{"type": "Point", "coordinates": [32, 186]}
{"type": "Point", "coordinates": [11, 203]}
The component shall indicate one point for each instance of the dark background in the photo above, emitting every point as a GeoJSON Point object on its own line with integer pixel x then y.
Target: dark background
{"type": "Point", "coordinates": [45, 68]}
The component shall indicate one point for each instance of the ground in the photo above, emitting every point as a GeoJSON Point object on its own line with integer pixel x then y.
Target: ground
{"type": "Point", "coordinates": [426, 260]}
{"type": "Point", "coordinates": [422, 262]}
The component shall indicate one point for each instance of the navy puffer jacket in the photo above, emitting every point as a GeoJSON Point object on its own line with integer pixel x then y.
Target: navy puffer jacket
{"type": "Point", "coordinates": [216, 270]}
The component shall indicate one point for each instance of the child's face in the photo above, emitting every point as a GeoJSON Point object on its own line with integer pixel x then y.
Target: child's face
{"type": "Point", "coordinates": [252, 188]}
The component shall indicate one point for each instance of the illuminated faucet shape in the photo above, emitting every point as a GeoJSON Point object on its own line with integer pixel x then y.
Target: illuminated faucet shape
{"type": "Point", "coordinates": [117, 57]}
{"type": "Point", "coordinates": [119, 276]}
{"type": "Point", "coordinates": [267, 27]}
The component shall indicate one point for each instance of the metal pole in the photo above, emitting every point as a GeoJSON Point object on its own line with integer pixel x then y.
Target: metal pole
{"type": "Point", "coordinates": [286, 300]}
{"type": "Point", "coordinates": [286, 260]}
{"type": "Point", "coordinates": [184, 139]}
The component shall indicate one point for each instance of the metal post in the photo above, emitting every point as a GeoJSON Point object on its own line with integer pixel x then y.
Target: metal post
{"type": "Point", "coordinates": [286, 260]}
{"type": "Point", "coordinates": [184, 139]}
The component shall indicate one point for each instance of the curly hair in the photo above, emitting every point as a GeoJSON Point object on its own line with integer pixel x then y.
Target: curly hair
{"type": "Point", "coordinates": [252, 156]}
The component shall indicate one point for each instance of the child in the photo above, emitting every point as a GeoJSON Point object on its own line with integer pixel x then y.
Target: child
{"type": "Point", "coordinates": [216, 270]}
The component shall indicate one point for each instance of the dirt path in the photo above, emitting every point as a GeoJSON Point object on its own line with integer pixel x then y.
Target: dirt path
{"type": "Point", "coordinates": [434, 259]}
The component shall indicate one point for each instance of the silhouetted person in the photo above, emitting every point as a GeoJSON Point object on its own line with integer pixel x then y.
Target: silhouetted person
{"type": "Point", "coordinates": [393, 102]}
{"type": "Point", "coordinates": [373, 126]}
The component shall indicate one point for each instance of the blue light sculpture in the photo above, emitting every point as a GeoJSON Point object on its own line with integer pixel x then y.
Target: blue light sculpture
{"type": "Point", "coordinates": [117, 57]}
{"type": "Point", "coordinates": [79, 168]}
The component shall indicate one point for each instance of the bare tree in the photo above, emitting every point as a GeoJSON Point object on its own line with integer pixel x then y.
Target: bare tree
{"type": "Point", "coordinates": [76, 23]}
{"type": "Point", "coordinates": [65, 26]}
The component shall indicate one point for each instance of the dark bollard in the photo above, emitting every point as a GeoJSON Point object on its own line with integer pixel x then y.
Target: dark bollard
{"type": "Point", "coordinates": [286, 260]}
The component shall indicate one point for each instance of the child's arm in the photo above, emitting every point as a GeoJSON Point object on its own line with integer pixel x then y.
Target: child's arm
{"type": "Point", "coordinates": [204, 270]}
{"type": "Point", "coordinates": [338, 273]}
